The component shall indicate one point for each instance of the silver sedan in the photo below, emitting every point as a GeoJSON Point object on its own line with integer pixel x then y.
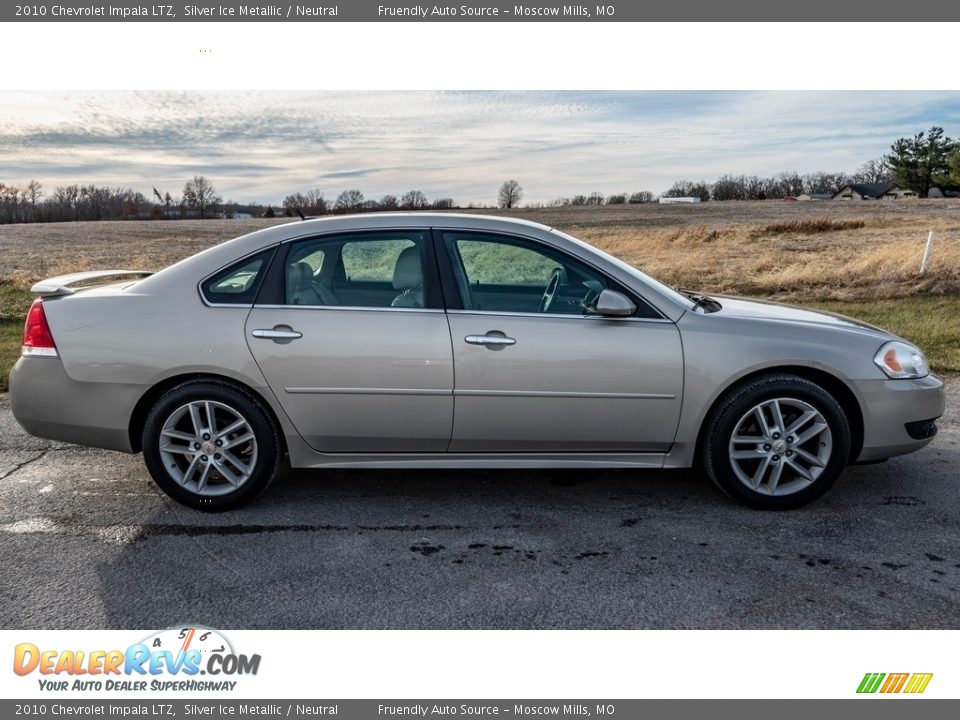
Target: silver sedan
{"type": "Point", "coordinates": [455, 341]}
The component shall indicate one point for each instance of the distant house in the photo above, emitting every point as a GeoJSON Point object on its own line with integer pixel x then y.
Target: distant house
{"type": "Point", "coordinates": [874, 191]}
{"type": "Point", "coordinates": [815, 197]}
{"type": "Point", "coordinates": [673, 200]}
{"type": "Point", "coordinates": [944, 191]}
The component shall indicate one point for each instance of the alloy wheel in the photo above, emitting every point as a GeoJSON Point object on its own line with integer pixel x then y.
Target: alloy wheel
{"type": "Point", "coordinates": [780, 446]}
{"type": "Point", "coordinates": [208, 448]}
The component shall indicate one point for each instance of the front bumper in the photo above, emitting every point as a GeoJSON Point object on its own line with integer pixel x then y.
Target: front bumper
{"type": "Point", "coordinates": [889, 406]}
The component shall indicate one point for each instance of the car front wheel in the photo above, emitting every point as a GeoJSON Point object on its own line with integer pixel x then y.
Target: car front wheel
{"type": "Point", "coordinates": [211, 445]}
{"type": "Point", "coordinates": [777, 442]}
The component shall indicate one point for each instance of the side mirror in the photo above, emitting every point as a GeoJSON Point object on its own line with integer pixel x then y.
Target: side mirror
{"type": "Point", "coordinates": [614, 304]}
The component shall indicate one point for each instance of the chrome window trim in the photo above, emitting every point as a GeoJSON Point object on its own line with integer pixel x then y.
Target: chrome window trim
{"type": "Point", "coordinates": [564, 316]}
{"type": "Point", "coordinates": [364, 308]}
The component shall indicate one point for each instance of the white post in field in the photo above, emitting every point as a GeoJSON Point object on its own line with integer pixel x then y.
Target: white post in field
{"type": "Point", "coordinates": [926, 253]}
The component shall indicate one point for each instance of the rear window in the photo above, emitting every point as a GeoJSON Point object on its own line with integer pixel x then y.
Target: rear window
{"type": "Point", "coordinates": [238, 283]}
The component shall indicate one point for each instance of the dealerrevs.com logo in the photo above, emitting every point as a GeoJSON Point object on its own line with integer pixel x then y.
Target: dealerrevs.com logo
{"type": "Point", "coordinates": [889, 683]}
{"type": "Point", "coordinates": [178, 659]}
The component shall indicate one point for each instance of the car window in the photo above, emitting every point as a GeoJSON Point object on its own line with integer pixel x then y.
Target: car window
{"type": "Point", "coordinates": [373, 259]}
{"type": "Point", "coordinates": [506, 274]}
{"type": "Point", "coordinates": [383, 269]}
{"type": "Point", "coordinates": [490, 262]}
{"type": "Point", "coordinates": [238, 283]}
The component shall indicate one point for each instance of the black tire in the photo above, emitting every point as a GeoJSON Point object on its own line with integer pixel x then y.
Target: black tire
{"type": "Point", "coordinates": [268, 443]}
{"type": "Point", "coordinates": [734, 407]}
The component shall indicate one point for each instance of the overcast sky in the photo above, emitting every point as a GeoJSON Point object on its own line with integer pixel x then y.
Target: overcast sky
{"type": "Point", "coordinates": [260, 146]}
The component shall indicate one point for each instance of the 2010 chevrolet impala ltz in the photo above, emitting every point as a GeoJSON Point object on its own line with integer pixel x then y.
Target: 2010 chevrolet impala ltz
{"type": "Point", "coordinates": [455, 341]}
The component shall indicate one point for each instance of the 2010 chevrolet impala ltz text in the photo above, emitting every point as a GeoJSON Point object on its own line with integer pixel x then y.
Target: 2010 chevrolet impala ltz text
{"type": "Point", "coordinates": [426, 340]}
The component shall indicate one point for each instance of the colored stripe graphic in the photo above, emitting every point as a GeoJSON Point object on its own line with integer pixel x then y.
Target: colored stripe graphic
{"type": "Point", "coordinates": [870, 682]}
{"type": "Point", "coordinates": [894, 682]}
{"type": "Point", "coordinates": [918, 682]}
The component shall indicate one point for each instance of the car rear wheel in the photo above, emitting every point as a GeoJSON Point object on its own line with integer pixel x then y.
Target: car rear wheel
{"type": "Point", "coordinates": [777, 442]}
{"type": "Point", "coordinates": [211, 445]}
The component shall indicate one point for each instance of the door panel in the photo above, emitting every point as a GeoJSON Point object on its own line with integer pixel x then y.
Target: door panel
{"type": "Point", "coordinates": [360, 380]}
{"type": "Point", "coordinates": [567, 384]}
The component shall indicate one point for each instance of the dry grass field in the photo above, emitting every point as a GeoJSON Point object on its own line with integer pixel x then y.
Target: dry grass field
{"type": "Point", "coordinates": [861, 259]}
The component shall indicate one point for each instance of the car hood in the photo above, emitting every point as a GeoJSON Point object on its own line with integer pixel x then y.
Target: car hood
{"type": "Point", "coordinates": [764, 310]}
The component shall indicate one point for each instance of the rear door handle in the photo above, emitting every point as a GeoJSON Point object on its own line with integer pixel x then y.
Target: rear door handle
{"type": "Point", "coordinates": [490, 339]}
{"type": "Point", "coordinates": [281, 332]}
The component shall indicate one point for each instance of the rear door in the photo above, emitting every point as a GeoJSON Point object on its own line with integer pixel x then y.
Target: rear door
{"type": "Point", "coordinates": [353, 339]}
{"type": "Point", "coordinates": [536, 372]}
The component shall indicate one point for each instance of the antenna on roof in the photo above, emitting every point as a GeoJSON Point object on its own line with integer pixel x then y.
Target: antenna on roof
{"type": "Point", "coordinates": [300, 213]}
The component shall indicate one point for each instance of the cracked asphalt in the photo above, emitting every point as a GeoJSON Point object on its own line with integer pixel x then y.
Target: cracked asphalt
{"type": "Point", "coordinates": [87, 541]}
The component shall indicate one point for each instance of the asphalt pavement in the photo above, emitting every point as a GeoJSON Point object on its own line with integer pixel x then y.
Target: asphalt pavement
{"type": "Point", "coordinates": [87, 541]}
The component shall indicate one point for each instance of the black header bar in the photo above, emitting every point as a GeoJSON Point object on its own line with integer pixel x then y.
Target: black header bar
{"type": "Point", "coordinates": [482, 11]}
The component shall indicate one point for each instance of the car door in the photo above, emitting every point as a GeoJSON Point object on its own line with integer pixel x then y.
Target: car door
{"type": "Point", "coordinates": [352, 338]}
{"type": "Point", "coordinates": [535, 375]}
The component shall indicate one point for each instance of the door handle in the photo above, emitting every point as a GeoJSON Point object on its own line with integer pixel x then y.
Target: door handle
{"type": "Point", "coordinates": [277, 333]}
{"type": "Point", "coordinates": [491, 340]}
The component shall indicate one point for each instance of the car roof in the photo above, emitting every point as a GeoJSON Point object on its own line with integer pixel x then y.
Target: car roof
{"type": "Point", "coordinates": [419, 219]}
{"type": "Point", "coordinates": [371, 221]}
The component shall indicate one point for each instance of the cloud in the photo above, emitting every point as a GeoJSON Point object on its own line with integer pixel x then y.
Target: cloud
{"type": "Point", "coordinates": [260, 146]}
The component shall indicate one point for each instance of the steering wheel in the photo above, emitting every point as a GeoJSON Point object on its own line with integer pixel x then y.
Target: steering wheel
{"type": "Point", "coordinates": [557, 278]}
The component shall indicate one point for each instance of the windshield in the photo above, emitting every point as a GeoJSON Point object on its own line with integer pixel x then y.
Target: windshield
{"type": "Point", "coordinates": [655, 284]}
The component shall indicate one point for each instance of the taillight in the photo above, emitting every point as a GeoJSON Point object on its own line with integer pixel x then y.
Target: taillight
{"type": "Point", "coordinates": [37, 338]}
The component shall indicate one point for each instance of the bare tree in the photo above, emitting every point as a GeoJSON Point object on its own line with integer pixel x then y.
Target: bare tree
{"type": "Point", "coordinates": [414, 200]}
{"type": "Point", "coordinates": [729, 187]}
{"type": "Point", "coordinates": [873, 171]}
{"type": "Point", "coordinates": [389, 202]}
{"type": "Point", "coordinates": [10, 199]}
{"type": "Point", "coordinates": [825, 183]}
{"type": "Point", "coordinates": [200, 196]}
{"type": "Point", "coordinates": [510, 194]}
{"type": "Point", "coordinates": [311, 202]}
{"type": "Point", "coordinates": [34, 192]}
{"type": "Point", "coordinates": [685, 188]}
{"type": "Point", "coordinates": [316, 203]}
{"type": "Point", "coordinates": [643, 196]}
{"type": "Point", "coordinates": [348, 201]}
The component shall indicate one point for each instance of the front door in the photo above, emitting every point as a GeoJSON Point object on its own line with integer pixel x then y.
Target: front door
{"type": "Point", "coordinates": [535, 372]}
{"type": "Point", "coordinates": [356, 345]}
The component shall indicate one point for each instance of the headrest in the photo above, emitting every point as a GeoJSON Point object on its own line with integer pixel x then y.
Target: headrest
{"type": "Point", "coordinates": [299, 275]}
{"type": "Point", "coordinates": [408, 273]}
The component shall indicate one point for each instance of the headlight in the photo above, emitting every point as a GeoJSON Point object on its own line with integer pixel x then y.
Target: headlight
{"type": "Point", "coordinates": [899, 360]}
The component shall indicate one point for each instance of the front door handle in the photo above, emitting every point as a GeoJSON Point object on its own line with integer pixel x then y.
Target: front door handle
{"type": "Point", "coordinates": [280, 332]}
{"type": "Point", "coordinates": [491, 340]}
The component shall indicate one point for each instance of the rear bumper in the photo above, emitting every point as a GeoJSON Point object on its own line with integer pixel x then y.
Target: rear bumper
{"type": "Point", "coordinates": [895, 413]}
{"type": "Point", "coordinates": [48, 403]}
